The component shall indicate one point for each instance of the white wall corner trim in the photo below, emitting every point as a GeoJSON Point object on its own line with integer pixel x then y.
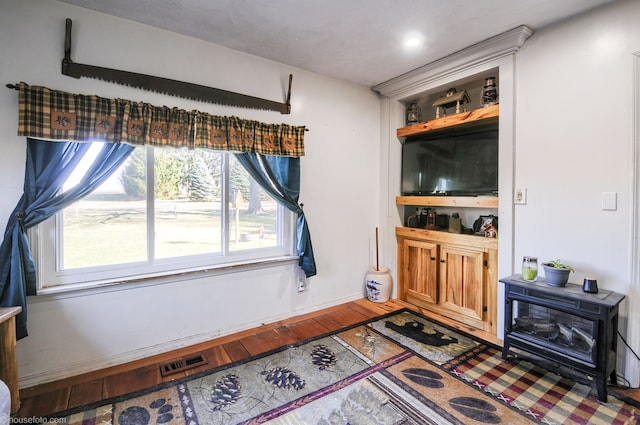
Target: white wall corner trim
{"type": "Point", "coordinates": [633, 321]}
{"type": "Point", "coordinates": [493, 48]}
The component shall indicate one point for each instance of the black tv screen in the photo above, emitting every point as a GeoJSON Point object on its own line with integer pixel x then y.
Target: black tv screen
{"type": "Point", "coordinates": [451, 165]}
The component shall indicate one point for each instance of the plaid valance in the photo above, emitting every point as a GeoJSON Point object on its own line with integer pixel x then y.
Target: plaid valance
{"type": "Point", "coordinates": [56, 115]}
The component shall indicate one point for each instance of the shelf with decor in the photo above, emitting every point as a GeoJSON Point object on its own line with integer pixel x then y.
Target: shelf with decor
{"type": "Point", "coordinates": [465, 121]}
{"type": "Point", "coordinates": [449, 201]}
{"type": "Point", "coordinates": [462, 120]}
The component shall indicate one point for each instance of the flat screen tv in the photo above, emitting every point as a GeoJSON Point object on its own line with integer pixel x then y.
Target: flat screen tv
{"type": "Point", "coordinates": [451, 164]}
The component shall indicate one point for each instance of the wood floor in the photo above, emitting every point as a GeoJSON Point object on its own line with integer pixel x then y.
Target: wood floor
{"type": "Point", "coordinates": [92, 387]}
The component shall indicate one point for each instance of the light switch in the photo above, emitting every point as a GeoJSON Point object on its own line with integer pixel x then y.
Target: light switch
{"type": "Point", "coordinates": [520, 196]}
{"type": "Point", "coordinates": [609, 201]}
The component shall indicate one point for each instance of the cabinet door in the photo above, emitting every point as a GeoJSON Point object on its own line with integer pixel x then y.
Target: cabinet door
{"type": "Point", "coordinates": [461, 280]}
{"type": "Point", "coordinates": [419, 271]}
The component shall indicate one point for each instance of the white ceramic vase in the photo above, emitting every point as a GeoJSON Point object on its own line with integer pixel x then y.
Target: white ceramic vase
{"type": "Point", "coordinates": [378, 284]}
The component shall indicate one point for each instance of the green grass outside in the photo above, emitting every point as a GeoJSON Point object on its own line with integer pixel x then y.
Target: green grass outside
{"type": "Point", "coordinates": [106, 232]}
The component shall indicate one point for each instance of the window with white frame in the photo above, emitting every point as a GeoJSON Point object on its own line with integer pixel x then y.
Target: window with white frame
{"type": "Point", "coordinates": [165, 211]}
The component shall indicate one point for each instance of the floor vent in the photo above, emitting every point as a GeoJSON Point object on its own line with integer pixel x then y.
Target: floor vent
{"type": "Point", "coordinates": [181, 364]}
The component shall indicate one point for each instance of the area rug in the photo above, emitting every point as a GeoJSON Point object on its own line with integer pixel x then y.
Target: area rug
{"type": "Point", "coordinates": [400, 368]}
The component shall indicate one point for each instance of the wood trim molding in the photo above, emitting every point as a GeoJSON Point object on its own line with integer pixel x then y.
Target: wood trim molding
{"type": "Point", "coordinates": [449, 201]}
{"type": "Point", "coordinates": [488, 50]}
{"type": "Point", "coordinates": [633, 321]}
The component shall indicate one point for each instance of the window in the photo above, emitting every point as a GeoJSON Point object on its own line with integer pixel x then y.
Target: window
{"type": "Point", "coordinates": [204, 212]}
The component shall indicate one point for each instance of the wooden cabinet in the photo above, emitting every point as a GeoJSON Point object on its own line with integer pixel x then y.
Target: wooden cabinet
{"type": "Point", "coordinates": [462, 281]}
{"type": "Point", "coordinates": [8, 362]}
{"type": "Point", "coordinates": [449, 274]}
{"type": "Point", "coordinates": [419, 268]}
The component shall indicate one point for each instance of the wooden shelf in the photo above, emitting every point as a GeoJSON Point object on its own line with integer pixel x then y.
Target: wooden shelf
{"type": "Point", "coordinates": [449, 201]}
{"type": "Point", "coordinates": [440, 236]}
{"type": "Point", "coordinates": [464, 119]}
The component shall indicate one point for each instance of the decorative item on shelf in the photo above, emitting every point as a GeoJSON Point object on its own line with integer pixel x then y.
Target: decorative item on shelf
{"type": "Point", "coordinates": [487, 226]}
{"type": "Point", "coordinates": [377, 281]}
{"type": "Point", "coordinates": [455, 223]}
{"type": "Point", "coordinates": [424, 214]}
{"type": "Point", "coordinates": [489, 92]}
{"type": "Point", "coordinates": [414, 219]}
{"type": "Point", "coordinates": [556, 273]}
{"type": "Point", "coordinates": [414, 114]}
{"type": "Point", "coordinates": [590, 285]}
{"type": "Point", "coordinates": [529, 269]}
{"type": "Point", "coordinates": [452, 98]}
{"type": "Point", "coordinates": [432, 220]}
{"type": "Point", "coordinates": [418, 220]}
{"type": "Point", "coordinates": [442, 221]}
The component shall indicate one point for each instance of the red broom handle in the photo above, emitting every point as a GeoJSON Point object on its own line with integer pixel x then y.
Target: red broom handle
{"type": "Point", "coordinates": [377, 263]}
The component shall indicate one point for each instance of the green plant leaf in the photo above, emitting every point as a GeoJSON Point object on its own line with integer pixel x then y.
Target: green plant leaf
{"type": "Point", "coordinates": [556, 264]}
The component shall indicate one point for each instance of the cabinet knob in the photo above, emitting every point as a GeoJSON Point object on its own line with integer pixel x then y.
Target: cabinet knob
{"type": "Point", "coordinates": [433, 258]}
{"type": "Point", "coordinates": [442, 261]}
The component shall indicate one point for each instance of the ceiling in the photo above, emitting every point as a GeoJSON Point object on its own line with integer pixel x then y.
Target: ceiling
{"type": "Point", "coordinates": [355, 40]}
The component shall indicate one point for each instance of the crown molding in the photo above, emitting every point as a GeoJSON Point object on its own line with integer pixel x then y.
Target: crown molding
{"type": "Point", "coordinates": [491, 49]}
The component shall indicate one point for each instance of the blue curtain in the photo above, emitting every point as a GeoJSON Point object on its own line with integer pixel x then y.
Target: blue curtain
{"type": "Point", "coordinates": [280, 177]}
{"type": "Point", "coordinates": [48, 166]}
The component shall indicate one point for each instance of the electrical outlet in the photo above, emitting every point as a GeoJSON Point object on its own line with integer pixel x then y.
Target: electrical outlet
{"type": "Point", "coordinates": [520, 197]}
{"type": "Point", "coordinates": [301, 285]}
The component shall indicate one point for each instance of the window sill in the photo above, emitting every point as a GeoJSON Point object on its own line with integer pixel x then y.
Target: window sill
{"type": "Point", "coordinates": [93, 288]}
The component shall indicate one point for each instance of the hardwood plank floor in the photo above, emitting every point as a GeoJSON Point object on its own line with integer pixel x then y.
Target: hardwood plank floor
{"type": "Point", "coordinates": [92, 387]}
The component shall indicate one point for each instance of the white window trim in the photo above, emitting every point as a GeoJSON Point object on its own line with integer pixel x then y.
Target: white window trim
{"type": "Point", "coordinates": [80, 290]}
{"type": "Point", "coordinates": [164, 271]}
{"type": "Point", "coordinates": [232, 265]}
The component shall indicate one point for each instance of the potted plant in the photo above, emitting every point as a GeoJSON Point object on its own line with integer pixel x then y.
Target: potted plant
{"type": "Point", "coordinates": [556, 273]}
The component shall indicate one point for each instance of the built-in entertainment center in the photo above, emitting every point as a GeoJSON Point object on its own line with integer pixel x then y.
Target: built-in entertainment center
{"type": "Point", "coordinates": [454, 275]}
{"type": "Point", "coordinates": [450, 164]}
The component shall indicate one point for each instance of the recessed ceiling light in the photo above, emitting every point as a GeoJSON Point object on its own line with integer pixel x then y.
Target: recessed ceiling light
{"type": "Point", "coordinates": [412, 41]}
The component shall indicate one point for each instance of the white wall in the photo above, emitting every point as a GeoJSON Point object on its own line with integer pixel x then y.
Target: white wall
{"type": "Point", "coordinates": [339, 188]}
{"type": "Point", "coordinates": [574, 123]}
{"type": "Point", "coordinates": [574, 140]}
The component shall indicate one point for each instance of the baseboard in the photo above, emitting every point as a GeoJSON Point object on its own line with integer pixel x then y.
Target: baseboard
{"type": "Point", "coordinates": [31, 380]}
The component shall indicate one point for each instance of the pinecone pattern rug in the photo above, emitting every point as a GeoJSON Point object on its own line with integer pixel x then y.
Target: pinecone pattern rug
{"type": "Point", "coordinates": [401, 368]}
